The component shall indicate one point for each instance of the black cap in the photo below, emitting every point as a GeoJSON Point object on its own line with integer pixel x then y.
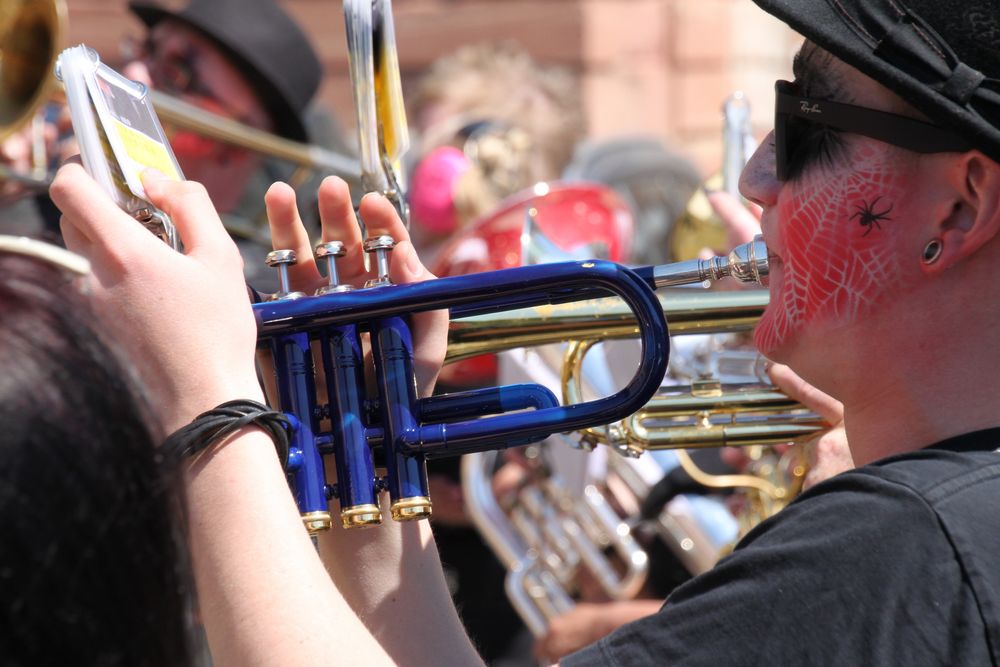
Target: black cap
{"type": "Point", "coordinates": [263, 42]}
{"type": "Point", "coordinates": [941, 56]}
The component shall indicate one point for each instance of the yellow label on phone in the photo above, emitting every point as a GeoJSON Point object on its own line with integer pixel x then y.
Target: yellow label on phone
{"type": "Point", "coordinates": [146, 152]}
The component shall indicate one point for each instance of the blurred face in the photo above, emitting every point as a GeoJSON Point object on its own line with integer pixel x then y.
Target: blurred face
{"type": "Point", "coordinates": [836, 229]}
{"type": "Point", "coordinates": [183, 63]}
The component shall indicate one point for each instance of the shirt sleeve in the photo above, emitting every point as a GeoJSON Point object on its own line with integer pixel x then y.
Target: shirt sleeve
{"type": "Point", "coordinates": [856, 571]}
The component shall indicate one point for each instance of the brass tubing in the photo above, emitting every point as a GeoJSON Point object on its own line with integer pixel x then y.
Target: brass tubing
{"type": "Point", "coordinates": [728, 481]}
{"type": "Point", "coordinates": [732, 400]}
{"type": "Point", "coordinates": [687, 311]}
{"type": "Point", "coordinates": [188, 116]}
{"type": "Point", "coordinates": [670, 436]}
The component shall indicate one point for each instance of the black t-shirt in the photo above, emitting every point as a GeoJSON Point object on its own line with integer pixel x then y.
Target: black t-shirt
{"type": "Point", "coordinates": [894, 563]}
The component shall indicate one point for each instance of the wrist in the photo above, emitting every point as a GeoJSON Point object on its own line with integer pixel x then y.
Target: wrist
{"type": "Point", "coordinates": [226, 423]}
{"type": "Point", "coordinates": [184, 404]}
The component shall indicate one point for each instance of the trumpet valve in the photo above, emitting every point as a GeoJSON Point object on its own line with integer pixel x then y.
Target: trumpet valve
{"type": "Point", "coordinates": [282, 259]}
{"type": "Point", "coordinates": [331, 252]}
{"type": "Point", "coordinates": [381, 246]}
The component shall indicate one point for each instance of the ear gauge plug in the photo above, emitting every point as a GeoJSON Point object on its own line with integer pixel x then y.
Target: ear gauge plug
{"type": "Point", "coordinates": [932, 251]}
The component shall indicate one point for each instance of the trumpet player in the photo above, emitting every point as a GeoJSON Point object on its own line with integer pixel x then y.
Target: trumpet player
{"type": "Point", "coordinates": [883, 231]}
{"type": "Point", "coordinates": [185, 325]}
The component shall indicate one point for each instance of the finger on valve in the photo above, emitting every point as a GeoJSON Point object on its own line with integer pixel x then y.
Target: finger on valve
{"type": "Point", "coordinates": [289, 233]}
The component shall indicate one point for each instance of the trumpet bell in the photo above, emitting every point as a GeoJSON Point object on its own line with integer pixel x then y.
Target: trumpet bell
{"type": "Point", "coordinates": [30, 34]}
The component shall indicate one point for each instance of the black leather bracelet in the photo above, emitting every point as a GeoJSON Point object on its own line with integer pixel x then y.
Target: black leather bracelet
{"type": "Point", "coordinates": [226, 419]}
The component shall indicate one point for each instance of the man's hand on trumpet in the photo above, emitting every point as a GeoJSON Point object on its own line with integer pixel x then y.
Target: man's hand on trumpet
{"type": "Point", "coordinates": [365, 564]}
{"type": "Point", "coordinates": [430, 330]}
{"type": "Point", "coordinates": [827, 454]}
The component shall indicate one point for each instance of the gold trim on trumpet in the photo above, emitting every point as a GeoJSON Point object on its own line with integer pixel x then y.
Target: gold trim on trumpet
{"type": "Point", "coordinates": [316, 522]}
{"type": "Point", "coordinates": [361, 515]}
{"type": "Point", "coordinates": [411, 509]}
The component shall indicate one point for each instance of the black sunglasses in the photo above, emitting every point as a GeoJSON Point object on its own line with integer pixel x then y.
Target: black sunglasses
{"type": "Point", "coordinates": [793, 113]}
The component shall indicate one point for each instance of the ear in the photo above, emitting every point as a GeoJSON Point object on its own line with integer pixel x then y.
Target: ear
{"type": "Point", "coordinates": [974, 216]}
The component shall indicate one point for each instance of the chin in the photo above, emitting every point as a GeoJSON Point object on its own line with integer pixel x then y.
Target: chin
{"type": "Point", "coordinates": [769, 338]}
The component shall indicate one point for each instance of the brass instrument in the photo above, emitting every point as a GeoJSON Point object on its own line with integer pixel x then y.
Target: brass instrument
{"type": "Point", "coordinates": [528, 534]}
{"type": "Point", "coordinates": [548, 537]}
{"type": "Point", "coordinates": [31, 35]}
{"type": "Point", "coordinates": [699, 227]}
{"type": "Point", "coordinates": [687, 311]}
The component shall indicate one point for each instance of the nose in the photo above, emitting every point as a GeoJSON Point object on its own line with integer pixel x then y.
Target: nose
{"type": "Point", "coordinates": [759, 182]}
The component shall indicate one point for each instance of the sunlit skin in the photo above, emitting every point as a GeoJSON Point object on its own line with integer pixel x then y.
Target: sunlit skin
{"type": "Point", "coordinates": [223, 169]}
{"type": "Point", "coordinates": [829, 267]}
{"type": "Point", "coordinates": [907, 346]}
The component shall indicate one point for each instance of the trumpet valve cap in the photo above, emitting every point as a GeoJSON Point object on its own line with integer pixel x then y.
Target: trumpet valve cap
{"type": "Point", "coordinates": [411, 509]}
{"type": "Point", "coordinates": [377, 243]}
{"type": "Point", "coordinates": [280, 258]}
{"type": "Point", "coordinates": [361, 515]}
{"type": "Point", "coordinates": [334, 249]}
{"type": "Point", "coordinates": [334, 289]}
{"type": "Point", "coordinates": [317, 522]}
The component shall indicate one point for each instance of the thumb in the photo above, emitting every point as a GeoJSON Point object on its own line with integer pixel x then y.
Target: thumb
{"type": "Point", "coordinates": [189, 206]}
{"type": "Point", "coordinates": [796, 388]}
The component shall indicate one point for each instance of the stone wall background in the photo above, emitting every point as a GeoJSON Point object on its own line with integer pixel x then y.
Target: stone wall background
{"type": "Point", "coordinates": [659, 67]}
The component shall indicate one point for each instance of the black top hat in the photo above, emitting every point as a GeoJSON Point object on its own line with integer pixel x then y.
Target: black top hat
{"type": "Point", "coordinates": [941, 56]}
{"type": "Point", "coordinates": [263, 42]}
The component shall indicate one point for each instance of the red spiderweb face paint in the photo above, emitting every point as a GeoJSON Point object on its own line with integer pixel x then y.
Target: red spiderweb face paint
{"type": "Point", "coordinates": [835, 245]}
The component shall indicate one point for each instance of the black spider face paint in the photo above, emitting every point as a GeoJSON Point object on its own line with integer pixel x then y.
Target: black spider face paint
{"type": "Point", "coordinates": [870, 215]}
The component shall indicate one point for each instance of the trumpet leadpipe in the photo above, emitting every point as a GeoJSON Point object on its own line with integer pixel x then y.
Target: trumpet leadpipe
{"type": "Point", "coordinates": [687, 311]}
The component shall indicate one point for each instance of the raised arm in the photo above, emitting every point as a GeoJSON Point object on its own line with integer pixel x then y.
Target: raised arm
{"type": "Point", "coordinates": [185, 320]}
{"type": "Point", "coordinates": [390, 574]}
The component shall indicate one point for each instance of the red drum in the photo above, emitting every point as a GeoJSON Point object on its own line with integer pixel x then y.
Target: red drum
{"type": "Point", "coordinates": [582, 220]}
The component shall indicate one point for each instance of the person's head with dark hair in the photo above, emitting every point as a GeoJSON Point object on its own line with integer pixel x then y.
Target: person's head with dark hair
{"type": "Point", "coordinates": [93, 568]}
{"type": "Point", "coordinates": [247, 60]}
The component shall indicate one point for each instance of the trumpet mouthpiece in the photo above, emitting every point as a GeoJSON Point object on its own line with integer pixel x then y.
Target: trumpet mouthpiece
{"type": "Point", "coordinates": [746, 263]}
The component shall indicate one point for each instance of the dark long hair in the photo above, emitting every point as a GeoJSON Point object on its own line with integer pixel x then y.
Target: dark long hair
{"type": "Point", "coordinates": [93, 569]}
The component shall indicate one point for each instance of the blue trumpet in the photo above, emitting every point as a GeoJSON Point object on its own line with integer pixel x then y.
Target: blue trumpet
{"type": "Point", "coordinates": [410, 430]}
